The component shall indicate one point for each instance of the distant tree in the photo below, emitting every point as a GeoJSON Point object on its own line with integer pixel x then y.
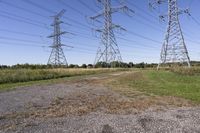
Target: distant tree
{"type": "Point", "coordinates": [83, 66]}
{"type": "Point", "coordinates": [124, 65]}
{"type": "Point", "coordinates": [76, 66]}
{"type": "Point", "coordinates": [101, 65]}
{"type": "Point", "coordinates": [131, 64]}
{"type": "Point", "coordinates": [140, 65]}
{"type": "Point", "coordinates": [115, 64]}
{"type": "Point", "coordinates": [71, 66]}
{"type": "Point", "coordinates": [4, 66]}
{"type": "Point", "coordinates": [89, 66]}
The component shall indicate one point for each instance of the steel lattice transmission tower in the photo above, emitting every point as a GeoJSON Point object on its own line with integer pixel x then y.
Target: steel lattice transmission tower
{"type": "Point", "coordinates": [174, 48]}
{"type": "Point", "coordinates": [57, 57]}
{"type": "Point", "coordinates": [108, 51]}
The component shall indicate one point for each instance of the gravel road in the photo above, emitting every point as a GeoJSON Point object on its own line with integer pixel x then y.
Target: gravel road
{"type": "Point", "coordinates": [87, 106]}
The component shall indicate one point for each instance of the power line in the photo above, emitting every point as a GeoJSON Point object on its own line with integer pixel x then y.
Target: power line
{"type": "Point", "coordinates": [152, 16]}
{"type": "Point", "coordinates": [22, 33]}
{"type": "Point", "coordinates": [67, 5]}
{"type": "Point", "coordinates": [84, 52]}
{"type": "Point", "coordinates": [90, 27]}
{"type": "Point", "coordinates": [128, 40]}
{"type": "Point", "coordinates": [133, 45]}
{"type": "Point", "coordinates": [79, 23]}
{"type": "Point", "coordinates": [45, 27]}
{"type": "Point", "coordinates": [78, 49]}
{"type": "Point", "coordinates": [191, 2]}
{"type": "Point", "coordinates": [88, 7]}
{"type": "Point", "coordinates": [148, 25]}
{"type": "Point", "coordinates": [20, 44]}
{"type": "Point", "coordinates": [24, 21]}
{"type": "Point", "coordinates": [133, 33]}
{"type": "Point", "coordinates": [144, 37]}
{"type": "Point", "coordinates": [24, 9]}
{"type": "Point", "coordinates": [121, 38]}
{"type": "Point", "coordinates": [136, 35]}
{"type": "Point", "coordinates": [136, 43]}
{"type": "Point", "coordinates": [31, 45]}
{"type": "Point", "coordinates": [145, 18]}
{"type": "Point", "coordinates": [50, 11]}
{"type": "Point", "coordinates": [25, 18]}
{"type": "Point", "coordinates": [38, 6]}
{"type": "Point", "coordinates": [83, 35]}
{"type": "Point", "coordinates": [17, 39]}
{"type": "Point", "coordinates": [195, 20]}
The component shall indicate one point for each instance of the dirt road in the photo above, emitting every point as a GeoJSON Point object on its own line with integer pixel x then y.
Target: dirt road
{"type": "Point", "coordinates": [86, 105]}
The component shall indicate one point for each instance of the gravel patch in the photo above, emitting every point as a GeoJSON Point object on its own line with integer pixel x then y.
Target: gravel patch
{"type": "Point", "coordinates": [37, 96]}
{"type": "Point", "coordinates": [97, 122]}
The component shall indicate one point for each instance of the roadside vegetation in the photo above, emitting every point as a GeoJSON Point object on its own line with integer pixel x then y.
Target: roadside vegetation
{"type": "Point", "coordinates": [12, 78]}
{"type": "Point", "coordinates": [24, 75]}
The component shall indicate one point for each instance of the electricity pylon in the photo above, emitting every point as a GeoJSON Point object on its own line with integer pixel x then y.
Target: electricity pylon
{"type": "Point", "coordinates": [174, 48]}
{"type": "Point", "coordinates": [57, 57]}
{"type": "Point", "coordinates": [108, 51]}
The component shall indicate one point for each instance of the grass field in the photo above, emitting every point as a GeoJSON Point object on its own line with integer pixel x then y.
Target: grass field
{"type": "Point", "coordinates": [162, 83]}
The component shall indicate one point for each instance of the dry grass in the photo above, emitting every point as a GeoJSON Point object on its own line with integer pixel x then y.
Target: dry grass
{"type": "Point", "coordinates": [186, 71]}
{"type": "Point", "coordinates": [24, 75]}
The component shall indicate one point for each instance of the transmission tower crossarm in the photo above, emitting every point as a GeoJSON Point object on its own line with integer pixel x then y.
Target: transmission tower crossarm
{"type": "Point", "coordinates": [99, 30]}
{"type": "Point", "coordinates": [53, 46]}
{"type": "Point", "coordinates": [57, 34]}
{"type": "Point", "coordinates": [97, 16]}
{"type": "Point", "coordinates": [123, 8]}
{"type": "Point", "coordinates": [155, 2]}
{"type": "Point", "coordinates": [118, 27]}
{"type": "Point", "coordinates": [181, 11]}
{"type": "Point", "coordinates": [60, 13]}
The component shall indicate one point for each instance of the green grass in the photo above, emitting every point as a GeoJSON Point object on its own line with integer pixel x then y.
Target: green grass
{"type": "Point", "coordinates": [168, 83]}
{"type": "Point", "coordinates": [164, 83]}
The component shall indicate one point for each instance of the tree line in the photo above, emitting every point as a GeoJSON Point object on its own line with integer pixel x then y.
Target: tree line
{"type": "Point", "coordinates": [98, 65]}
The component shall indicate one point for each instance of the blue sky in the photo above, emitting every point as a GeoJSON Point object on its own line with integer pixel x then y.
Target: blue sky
{"type": "Point", "coordinates": [24, 28]}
